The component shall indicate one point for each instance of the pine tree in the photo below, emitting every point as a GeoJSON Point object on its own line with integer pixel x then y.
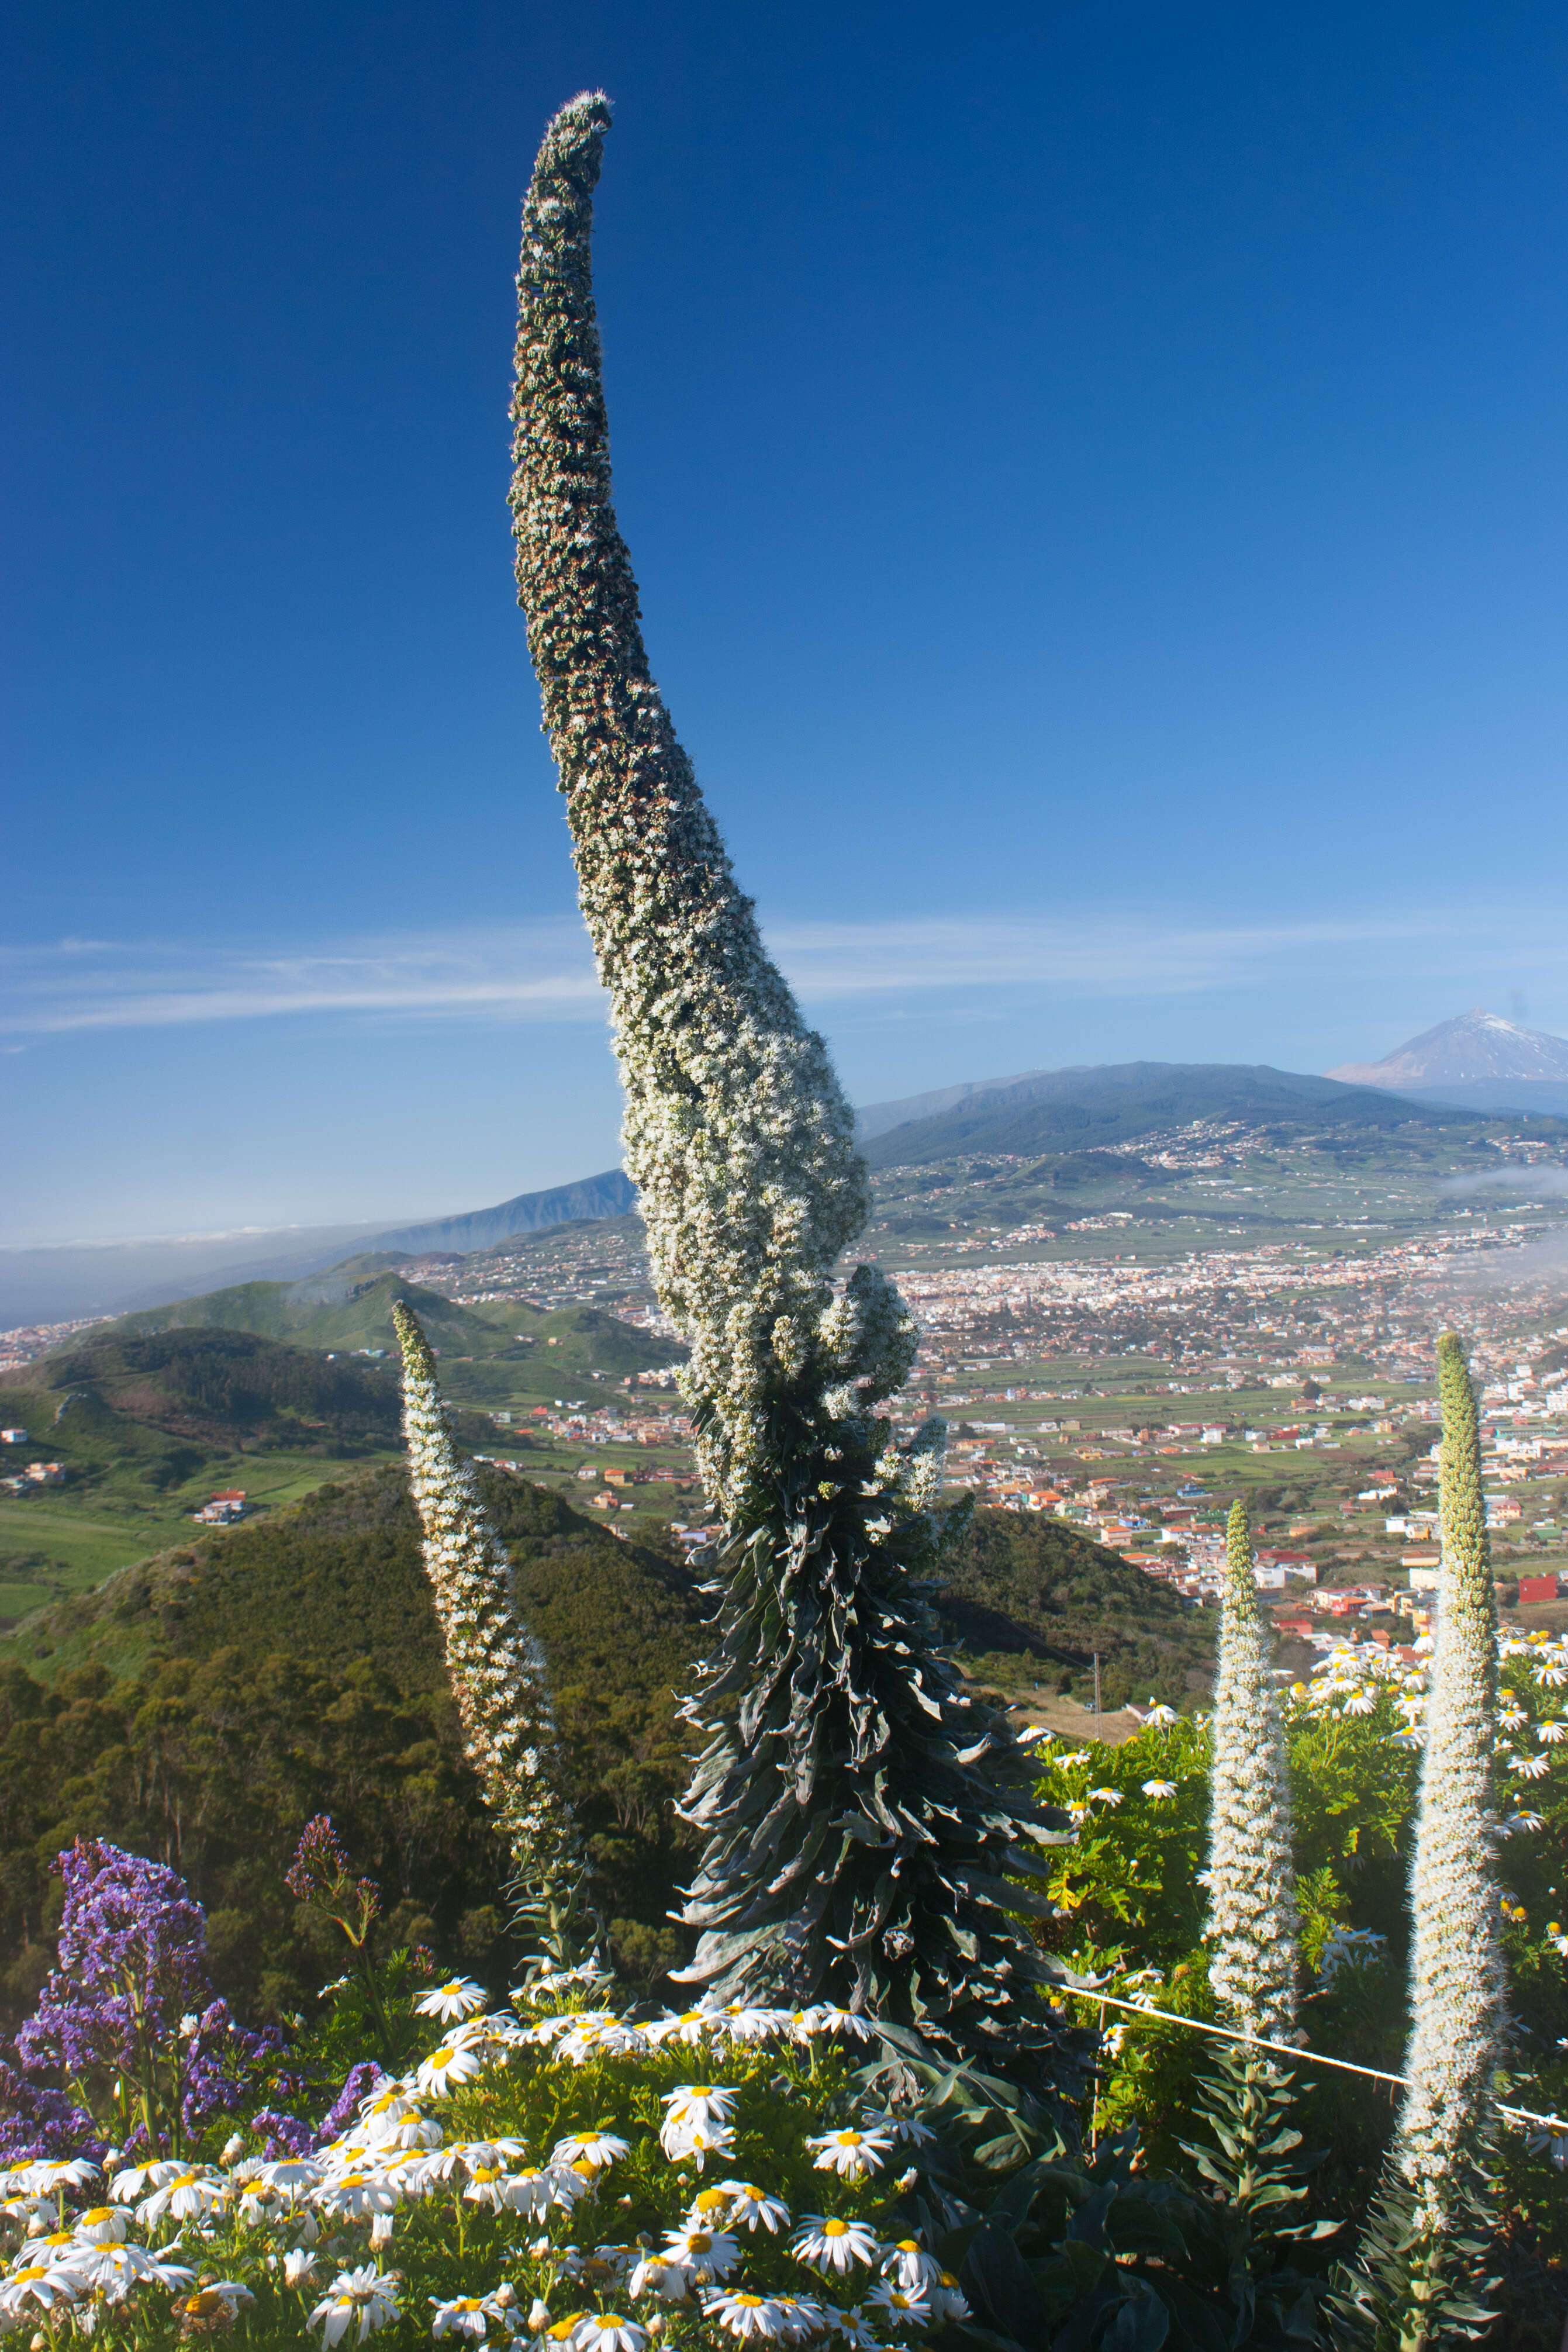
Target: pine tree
{"type": "Point", "coordinates": [1417, 2274]}
{"type": "Point", "coordinates": [498, 1670]}
{"type": "Point", "coordinates": [861, 1811]}
{"type": "Point", "coordinates": [1252, 1885]}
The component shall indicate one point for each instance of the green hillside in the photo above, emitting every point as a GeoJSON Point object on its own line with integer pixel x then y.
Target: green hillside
{"type": "Point", "coordinates": [146, 1426]}
{"type": "Point", "coordinates": [527, 1351]}
{"type": "Point", "coordinates": [203, 1706]}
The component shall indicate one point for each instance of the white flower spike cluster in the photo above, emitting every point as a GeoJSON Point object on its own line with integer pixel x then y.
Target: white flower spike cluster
{"type": "Point", "coordinates": [1457, 1980]}
{"type": "Point", "coordinates": [1252, 1888]}
{"type": "Point", "coordinates": [737, 1132]}
{"type": "Point", "coordinates": [498, 1669]}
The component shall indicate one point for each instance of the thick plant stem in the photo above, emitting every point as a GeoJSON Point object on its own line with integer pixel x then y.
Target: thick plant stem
{"type": "Point", "coordinates": [496, 1667]}
{"type": "Point", "coordinates": [860, 1811]}
{"type": "Point", "coordinates": [1252, 1917]}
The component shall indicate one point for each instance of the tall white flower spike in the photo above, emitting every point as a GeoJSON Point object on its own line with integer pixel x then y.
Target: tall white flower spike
{"type": "Point", "coordinates": [1252, 1917]}
{"type": "Point", "coordinates": [859, 1811]}
{"type": "Point", "coordinates": [1456, 1981]}
{"type": "Point", "coordinates": [496, 1667]}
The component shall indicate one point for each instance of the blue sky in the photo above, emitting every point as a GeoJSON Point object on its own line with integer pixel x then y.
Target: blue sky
{"type": "Point", "coordinates": [1096, 476]}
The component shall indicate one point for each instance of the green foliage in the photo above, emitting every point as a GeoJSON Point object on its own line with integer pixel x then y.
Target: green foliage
{"type": "Point", "coordinates": [1417, 2284]}
{"type": "Point", "coordinates": [295, 1668]}
{"type": "Point", "coordinates": [1025, 1588]}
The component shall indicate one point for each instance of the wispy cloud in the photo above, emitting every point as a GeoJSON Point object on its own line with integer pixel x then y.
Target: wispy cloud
{"type": "Point", "coordinates": [544, 970]}
{"type": "Point", "coordinates": [539, 971]}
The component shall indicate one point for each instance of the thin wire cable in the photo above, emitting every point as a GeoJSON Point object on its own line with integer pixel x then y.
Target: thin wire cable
{"type": "Point", "coordinates": [1303, 2057]}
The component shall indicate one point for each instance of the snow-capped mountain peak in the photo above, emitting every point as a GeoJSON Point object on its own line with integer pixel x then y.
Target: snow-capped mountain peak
{"type": "Point", "coordinates": [1479, 1048]}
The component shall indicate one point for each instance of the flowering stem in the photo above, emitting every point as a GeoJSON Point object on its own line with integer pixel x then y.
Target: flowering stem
{"type": "Point", "coordinates": [860, 1811]}
{"type": "Point", "coordinates": [1252, 1889]}
{"type": "Point", "coordinates": [498, 1669]}
{"type": "Point", "coordinates": [1455, 1966]}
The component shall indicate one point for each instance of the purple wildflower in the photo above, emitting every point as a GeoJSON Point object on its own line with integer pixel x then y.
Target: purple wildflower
{"type": "Point", "coordinates": [37, 2123]}
{"type": "Point", "coordinates": [363, 2080]}
{"type": "Point", "coordinates": [130, 2016]}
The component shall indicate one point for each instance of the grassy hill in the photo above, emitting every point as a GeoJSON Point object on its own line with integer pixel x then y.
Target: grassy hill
{"type": "Point", "coordinates": [1080, 1110]}
{"type": "Point", "coordinates": [350, 1308]}
{"type": "Point", "coordinates": [147, 1424]}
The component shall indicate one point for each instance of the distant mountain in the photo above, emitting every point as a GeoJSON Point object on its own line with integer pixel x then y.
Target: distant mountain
{"type": "Point", "coordinates": [47, 1285]}
{"type": "Point", "coordinates": [609, 1195]}
{"type": "Point", "coordinates": [1480, 1060]}
{"type": "Point", "coordinates": [876, 1118]}
{"type": "Point", "coordinates": [1074, 1109]}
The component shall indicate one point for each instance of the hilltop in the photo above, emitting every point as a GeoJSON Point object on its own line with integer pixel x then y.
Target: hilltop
{"type": "Point", "coordinates": [350, 1308]}
{"type": "Point", "coordinates": [1086, 1109]}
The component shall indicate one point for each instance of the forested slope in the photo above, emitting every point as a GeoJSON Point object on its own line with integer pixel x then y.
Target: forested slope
{"type": "Point", "coordinates": [201, 1707]}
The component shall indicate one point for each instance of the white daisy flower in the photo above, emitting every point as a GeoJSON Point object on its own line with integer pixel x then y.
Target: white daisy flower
{"type": "Point", "coordinates": [753, 2208]}
{"type": "Point", "coordinates": [114, 2270]}
{"type": "Point", "coordinates": [904, 2309]}
{"type": "Point", "coordinates": [1530, 1768]}
{"type": "Point", "coordinates": [594, 2149]}
{"type": "Point", "coordinates": [691, 2025]}
{"type": "Point", "coordinates": [700, 2140]}
{"type": "Point", "coordinates": [747, 2316]}
{"type": "Point", "coordinates": [299, 2266]}
{"type": "Point", "coordinates": [800, 2317]}
{"type": "Point", "coordinates": [488, 2185]}
{"type": "Point", "coordinates": [128, 2186]}
{"type": "Point", "coordinates": [102, 2225]}
{"type": "Point", "coordinates": [606, 2331]}
{"type": "Point", "coordinates": [41, 2285]}
{"type": "Point", "coordinates": [464, 2315]}
{"type": "Point", "coordinates": [363, 2299]}
{"type": "Point", "coordinates": [666, 2280]}
{"type": "Point", "coordinates": [1552, 1733]}
{"type": "Point", "coordinates": [828, 2016]}
{"type": "Point", "coordinates": [851, 2154]}
{"type": "Point", "coordinates": [707, 2253]}
{"type": "Point", "coordinates": [1105, 1796]}
{"type": "Point", "coordinates": [216, 2304]}
{"type": "Point", "coordinates": [184, 2199]}
{"type": "Point", "coordinates": [355, 2194]}
{"type": "Point", "coordinates": [451, 2064]}
{"type": "Point", "coordinates": [831, 2245]}
{"type": "Point", "coordinates": [699, 2103]}
{"type": "Point", "coordinates": [947, 2298]}
{"type": "Point", "coordinates": [909, 2265]}
{"type": "Point", "coordinates": [459, 1997]}
{"type": "Point", "coordinates": [1160, 1790]}
{"type": "Point", "coordinates": [46, 2179]}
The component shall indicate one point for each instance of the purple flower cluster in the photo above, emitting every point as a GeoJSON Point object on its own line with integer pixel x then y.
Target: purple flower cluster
{"type": "Point", "coordinates": [130, 2017]}
{"type": "Point", "coordinates": [38, 2124]}
{"type": "Point", "coordinates": [363, 2080]}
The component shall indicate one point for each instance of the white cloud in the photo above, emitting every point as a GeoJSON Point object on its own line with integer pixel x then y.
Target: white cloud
{"type": "Point", "coordinates": [544, 970]}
